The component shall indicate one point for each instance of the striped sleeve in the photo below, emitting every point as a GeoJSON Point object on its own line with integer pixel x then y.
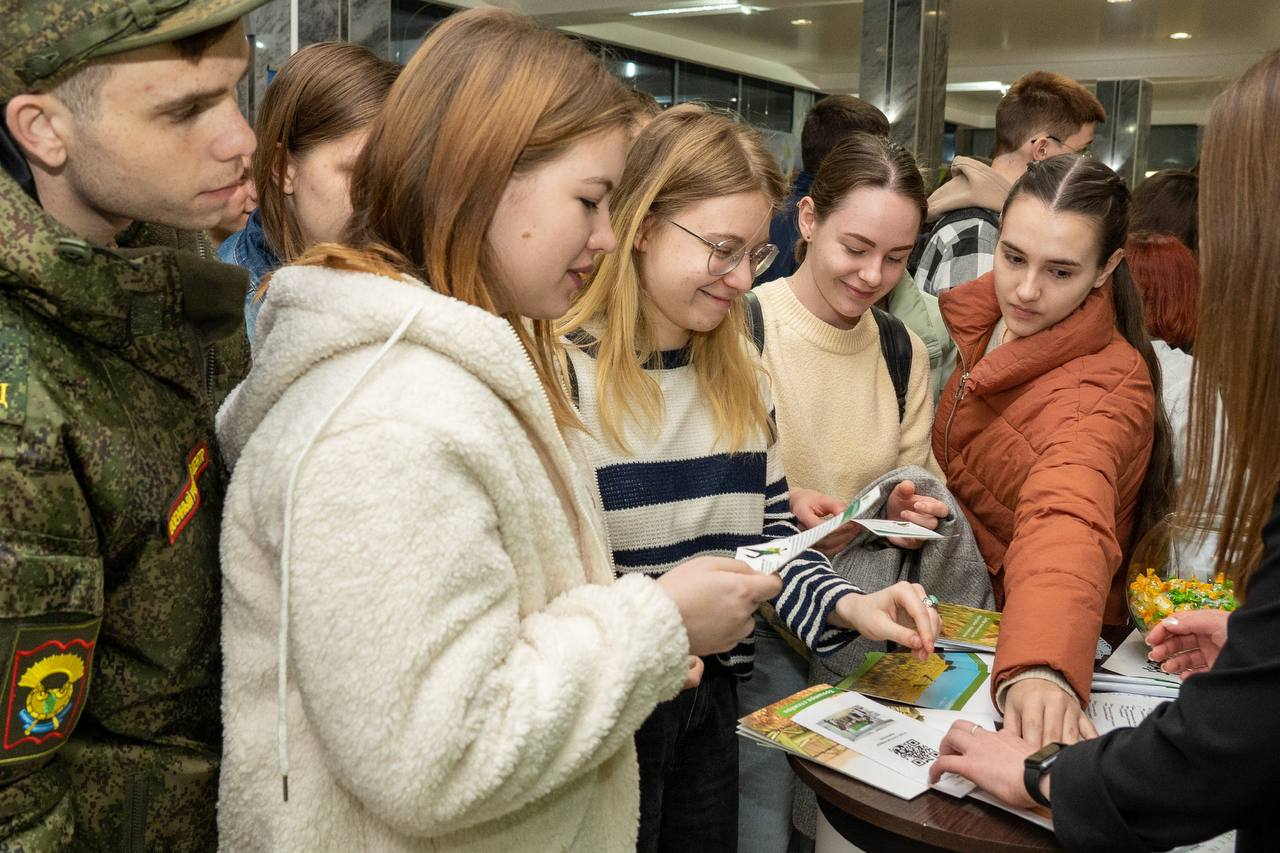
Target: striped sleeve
{"type": "Point", "coordinates": [810, 588]}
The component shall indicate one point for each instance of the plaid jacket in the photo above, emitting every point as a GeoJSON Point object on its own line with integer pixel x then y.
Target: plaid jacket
{"type": "Point", "coordinates": [960, 248]}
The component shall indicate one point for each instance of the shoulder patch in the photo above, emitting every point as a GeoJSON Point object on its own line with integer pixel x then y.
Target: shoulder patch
{"type": "Point", "coordinates": [183, 506]}
{"type": "Point", "coordinates": [14, 355]}
{"type": "Point", "coordinates": [45, 689]}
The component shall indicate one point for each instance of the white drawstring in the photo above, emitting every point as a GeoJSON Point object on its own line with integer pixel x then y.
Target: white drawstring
{"type": "Point", "coordinates": [282, 698]}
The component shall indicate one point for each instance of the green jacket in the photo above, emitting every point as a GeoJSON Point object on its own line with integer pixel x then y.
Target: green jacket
{"type": "Point", "coordinates": [919, 311]}
{"type": "Point", "coordinates": [112, 364]}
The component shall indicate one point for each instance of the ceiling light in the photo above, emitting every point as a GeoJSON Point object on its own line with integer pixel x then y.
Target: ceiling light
{"type": "Point", "coordinates": [980, 86]}
{"type": "Point", "coordinates": [690, 10]}
{"type": "Point", "coordinates": [801, 22]}
{"type": "Point", "coordinates": [629, 70]}
{"type": "Point", "coordinates": [1179, 36]}
{"type": "Point", "coordinates": [1117, 1]}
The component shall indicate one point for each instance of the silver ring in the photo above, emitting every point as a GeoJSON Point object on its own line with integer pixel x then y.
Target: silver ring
{"type": "Point", "coordinates": [974, 730]}
{"type": "Point", "coordinates": [930, 601]}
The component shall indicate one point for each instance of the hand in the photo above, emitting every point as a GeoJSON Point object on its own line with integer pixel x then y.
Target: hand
{"type": "Point", "coordinates": [1189, 642]}
{"type": "Point", "coordinates": [905, 505]}
{"type": "Point", "coordinates": [716, 597]}
{"type": "Point", "coordinates": [693, 677]}
{"type": "Point", "coordinates": [994, 761]}
{"type": "Point", "coordinates": [1042, 712]}
{"type": "Point", "coordinates": [811, 508]}
{"type": "Point", "coordinates": [896, 613]}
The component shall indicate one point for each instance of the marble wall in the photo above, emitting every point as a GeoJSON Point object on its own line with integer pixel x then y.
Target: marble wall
{"type": "Point", "coordinates": [273, 27]}
{"type": "Point", "coordinates": [1121, 142]}
{"type": "Point", "coordinates": [904, 71]}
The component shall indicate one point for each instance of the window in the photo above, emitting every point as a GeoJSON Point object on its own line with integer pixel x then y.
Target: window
{"type": "Point", "coordinates": [708, 85]}
{"type": "Point", "coordinates": [766, 104]}
{"type": "Point", "coordinates": [644, 71]}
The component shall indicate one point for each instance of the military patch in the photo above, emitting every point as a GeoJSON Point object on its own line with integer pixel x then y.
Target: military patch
{"type": "Point", "coordinates": [46, 687]}
{"type": "Point", "coordinates": [184, 505]}
{"type": "Point", "coordinates": [13, 373]}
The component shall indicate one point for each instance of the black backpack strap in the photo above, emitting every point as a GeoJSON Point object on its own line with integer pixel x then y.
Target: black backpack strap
{"type": "Point", "coordinates": [755, 319]}
{"type": "Point", "coordinates": [895, 346]}
{"type": "Point", "coordinates": [588, 344]}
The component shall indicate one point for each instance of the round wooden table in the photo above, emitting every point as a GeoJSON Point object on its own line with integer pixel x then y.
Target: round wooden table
{"type": "Point", "coordinates": [882, 823]}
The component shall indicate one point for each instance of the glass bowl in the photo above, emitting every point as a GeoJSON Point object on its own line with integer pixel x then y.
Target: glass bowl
{"type": "Point", "coordinates": [1173, 569]}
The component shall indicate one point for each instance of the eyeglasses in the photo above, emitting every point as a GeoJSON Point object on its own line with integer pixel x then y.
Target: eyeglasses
{"type": "Point", "coordinates": [727, 254]}
{"type": "Point", "coordinates": [1086, 151]}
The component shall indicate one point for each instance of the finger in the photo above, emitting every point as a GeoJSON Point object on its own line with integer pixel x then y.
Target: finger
{"type": "Point", "coordinates": [929, 636]}
{"type": "Point", "coordinates": [932, 506]}
{"type": "Point", "coordinates": [905, 544]}
{"type": "Point", "coordinates": [909, 599]}
{"type": "Point", "coordinates": [925, 520]}
{"type": "Point", "coordinates": [1187, 661]}
{"type": "Point", "coordinates": [1087, 728]}
{"type": "Point", "coordinates": [1174, 646]}
{"type": "Point", "coordinates": [882, 626]}
{"type": "Point", "coordinates": [1013, 721]}
{"type": "Point", "coordinates": [1070, 729]}
{"type": "Point", "coordinates": [954, 763]}
{"type": "Point", "coordinates": [904, 491]}
{"type": "Point", "coordinates": [1053, 719]}
{"type": "Point", "coordinates": [746, 629]}
{"type": "Point", "coordinates": [1033, 722]}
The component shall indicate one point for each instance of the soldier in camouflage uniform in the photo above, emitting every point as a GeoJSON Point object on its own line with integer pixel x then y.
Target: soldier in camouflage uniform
{"type": "Point", "coordinates": [118, 339]}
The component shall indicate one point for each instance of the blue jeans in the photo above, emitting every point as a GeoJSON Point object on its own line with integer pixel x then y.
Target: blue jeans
{"type": "Point", "coordinates": [765, 782]}
{"type": "Point", "coordinates": [689, 769]}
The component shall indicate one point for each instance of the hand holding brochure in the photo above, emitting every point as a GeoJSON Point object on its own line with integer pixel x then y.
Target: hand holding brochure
{"type": "Point", "coordinates": [769, 557]}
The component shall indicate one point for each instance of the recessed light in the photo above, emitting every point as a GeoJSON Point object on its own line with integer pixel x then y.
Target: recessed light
{"type": "Point", "coordinates": [801, 22]}
{"type": "Point", "coordinates": [1179, 36]}
{"type": "Point", "coordinates": [1118, 1]}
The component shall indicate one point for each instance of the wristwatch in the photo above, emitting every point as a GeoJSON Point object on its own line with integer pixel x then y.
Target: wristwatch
{"type": "Point", "coordinates": [1034, 768]}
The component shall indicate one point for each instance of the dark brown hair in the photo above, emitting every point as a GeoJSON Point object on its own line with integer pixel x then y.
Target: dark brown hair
{"type": "Point", "coordinates": [1043, 102]}
{"type": "Point", "coordinates": [1088, 188]}
{"type": "Point", "coordinates": [831, 121]}
{"type": "Point", "coordinates": [323, 92]}
{"type": "Point", "coordinates": [489, 94]}
{"type": "Point", "coordinates": [1165, 272]}
{"type": "Point", "coordinates": [1238, 333]}
{"type": "Point", "coordinates": [1165, 203]}
{"type": "Point", "coordinates": [864, 160]}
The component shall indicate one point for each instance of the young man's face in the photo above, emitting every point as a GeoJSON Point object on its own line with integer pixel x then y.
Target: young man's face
{"type": "Point", "coordinates": [166, 142]}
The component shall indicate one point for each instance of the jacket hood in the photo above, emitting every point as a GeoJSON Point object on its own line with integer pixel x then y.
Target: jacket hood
{"type": "Point", "coordinates": [971, 312]}
{"type": "Point", "coordinates": [973, 184]}
{"type": "Point", "coordinates": [313, 314]}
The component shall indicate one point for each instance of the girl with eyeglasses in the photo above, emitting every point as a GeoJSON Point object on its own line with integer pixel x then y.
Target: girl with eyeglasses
{"type": "Point", "coordinates": [683, 442]}
{"type": "Point", "coordinates": [425, 648]}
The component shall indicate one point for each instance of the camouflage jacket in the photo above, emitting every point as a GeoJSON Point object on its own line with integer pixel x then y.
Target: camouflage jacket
{"type": "Point", "coordinates": [112, 364]}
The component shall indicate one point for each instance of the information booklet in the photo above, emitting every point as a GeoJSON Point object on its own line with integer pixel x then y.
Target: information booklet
{"type": "Point", "coordinates": [769, 557]}
{"type": "Point", "coordinates": [946, 681]}
{"type": "Point", "coordinates": [968, 629]}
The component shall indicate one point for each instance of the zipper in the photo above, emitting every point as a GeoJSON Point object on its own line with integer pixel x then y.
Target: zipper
{"type": "Point", "coordinates": [137, 797]}
{"type": "Point", "coordinates": [960, 392]}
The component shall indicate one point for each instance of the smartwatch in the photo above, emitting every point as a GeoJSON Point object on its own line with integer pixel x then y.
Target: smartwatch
{"type": "Point", "coordinates": [1034, 768]}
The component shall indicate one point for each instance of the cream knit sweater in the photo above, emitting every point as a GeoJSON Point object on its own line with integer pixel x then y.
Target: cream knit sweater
{"type": "Point", "coordinates": [837, 410]}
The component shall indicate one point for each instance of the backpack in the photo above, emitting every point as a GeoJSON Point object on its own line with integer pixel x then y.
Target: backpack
{"type": "Point", "coordinates": [895, 345]}
{"type": "Point", "coordinates": [986, 214]}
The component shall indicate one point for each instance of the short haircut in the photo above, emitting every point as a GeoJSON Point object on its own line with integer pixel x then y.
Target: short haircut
{"type": "Point", "coordinates": [1166, 203]}
{"type": "Point", "coordinates": [80, 91]}
{"type": "Point", "coordinates": [1043, 101]}
{"type": "Point", "coordinates": [833, 120]}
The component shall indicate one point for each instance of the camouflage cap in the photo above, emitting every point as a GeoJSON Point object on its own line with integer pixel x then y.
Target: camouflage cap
{"type": "Point", "coordinates": [43, 41]}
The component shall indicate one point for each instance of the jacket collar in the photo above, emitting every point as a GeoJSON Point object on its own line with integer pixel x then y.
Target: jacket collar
{"type": "Point", "coordinates": [971, 312]}
{"type": "Point", "coordinates": [113, 296]}
{"type": "Point", "coordinates": [249, 248]}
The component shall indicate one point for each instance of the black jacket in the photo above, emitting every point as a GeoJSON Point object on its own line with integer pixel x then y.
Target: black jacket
{"type": "Point", "coordinates": [1199, 766]}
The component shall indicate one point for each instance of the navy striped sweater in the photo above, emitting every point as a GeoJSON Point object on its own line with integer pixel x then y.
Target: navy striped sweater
{"type": "Point", "coordinates": [675, 497]}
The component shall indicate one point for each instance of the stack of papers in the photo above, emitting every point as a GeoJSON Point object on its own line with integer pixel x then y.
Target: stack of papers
{"type": "Point", "coordinates": [968, 629]}
{"type": "Point", "coordinates": [1129, 671]}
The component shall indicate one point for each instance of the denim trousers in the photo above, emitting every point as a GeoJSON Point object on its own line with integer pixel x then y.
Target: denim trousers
{"type": "Point", "coordinates": [766, 784]}
{"type": "Point", "coordinates": [688, 755]}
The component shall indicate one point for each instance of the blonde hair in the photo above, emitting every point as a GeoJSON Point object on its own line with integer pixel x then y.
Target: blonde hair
{"type": "Point", "coordinates": [490, 94]}
{"type": "Point", "coordinates": [686, 155]}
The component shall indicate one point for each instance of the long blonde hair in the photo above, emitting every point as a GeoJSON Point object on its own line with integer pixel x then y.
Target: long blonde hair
{"type": "Point", "coordinates": [686, 155]}
{"type": "Point", "coordinates": [1237, 353]}
{"type": "Point", "coordinates": [489, 94]}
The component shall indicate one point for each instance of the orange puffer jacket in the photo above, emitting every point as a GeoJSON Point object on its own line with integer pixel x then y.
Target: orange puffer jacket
{"type": "Point", "coordinates": [1045, 443]}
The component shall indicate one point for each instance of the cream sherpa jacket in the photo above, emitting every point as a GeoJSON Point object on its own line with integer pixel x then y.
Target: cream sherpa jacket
{"type": "Point", "coordinates": [463, 672]}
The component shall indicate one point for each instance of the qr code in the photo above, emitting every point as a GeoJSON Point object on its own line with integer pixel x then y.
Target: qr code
{"type": "Point", "coordinates": [916, 752]}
